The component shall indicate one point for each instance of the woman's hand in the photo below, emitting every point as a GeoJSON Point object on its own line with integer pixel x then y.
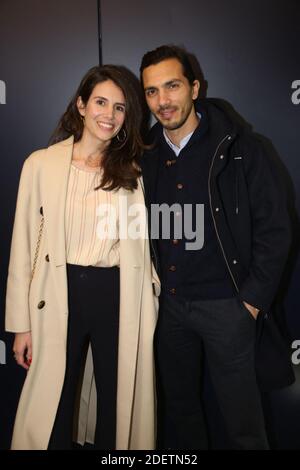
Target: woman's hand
{"type": "Point", "coordinates": [22, 349]}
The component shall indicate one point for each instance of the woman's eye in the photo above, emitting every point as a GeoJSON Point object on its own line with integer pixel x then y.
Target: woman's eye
{"type": "Point", "coordinates": [101, 102]}
{"type": "Point", "coordinates": [121, 109]}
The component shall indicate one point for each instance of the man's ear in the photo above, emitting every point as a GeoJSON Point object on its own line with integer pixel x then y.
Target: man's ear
{"type": "Point", "coordinates": [80, 106]}
{"type": "Point", "coordinates": [196, 89]}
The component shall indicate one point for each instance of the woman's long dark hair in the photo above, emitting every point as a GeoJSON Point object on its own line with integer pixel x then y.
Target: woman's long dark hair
{"type": "Point", "coordinates": [120, 162]}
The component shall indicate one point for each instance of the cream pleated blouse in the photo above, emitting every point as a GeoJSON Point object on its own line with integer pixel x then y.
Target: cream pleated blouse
{"type": "Point", "coordinates": [91, 221]}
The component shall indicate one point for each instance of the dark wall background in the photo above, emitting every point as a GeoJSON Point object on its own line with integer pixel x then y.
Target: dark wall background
{"type": "Point", "coordinates": [249, 55]}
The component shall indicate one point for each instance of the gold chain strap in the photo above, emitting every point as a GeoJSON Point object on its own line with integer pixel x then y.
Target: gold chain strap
{"type": "Point", "coordinates": [37, 247]}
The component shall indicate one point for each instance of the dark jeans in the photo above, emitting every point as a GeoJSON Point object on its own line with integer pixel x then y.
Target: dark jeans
{"type": "Point", "coordinates": [225, 331]}
{"type": "Point", "coordinates": [93, 317]}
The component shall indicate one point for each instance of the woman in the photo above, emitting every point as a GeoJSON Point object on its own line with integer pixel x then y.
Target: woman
{"type": "Point", "coordinates": [78, 277]}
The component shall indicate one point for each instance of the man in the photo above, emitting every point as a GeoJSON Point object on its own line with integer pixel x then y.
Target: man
{"type": "Point", "coordinates": [212, 296]}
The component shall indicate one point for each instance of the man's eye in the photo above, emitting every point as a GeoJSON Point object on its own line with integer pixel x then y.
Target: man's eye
{"type": "Point", "coordinates": [150, 92]}
{"type": "Point", "coordinates": [173, 85]}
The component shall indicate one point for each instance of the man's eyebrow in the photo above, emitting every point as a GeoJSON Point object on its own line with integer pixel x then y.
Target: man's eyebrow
{"type": "Point", "coordinates": [169, 82]}
{"type": "Point", "coordinates": [150, 88]}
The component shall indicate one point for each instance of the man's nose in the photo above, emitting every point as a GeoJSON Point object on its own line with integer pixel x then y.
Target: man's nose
{"type": "Point", "coordinates": [163, 98]}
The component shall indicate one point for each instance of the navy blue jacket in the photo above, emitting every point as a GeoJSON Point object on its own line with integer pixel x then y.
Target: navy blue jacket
{"type": "Point", "coordinates": [249, 212]}
{"type": "Point", "coordinates": [247, 203]}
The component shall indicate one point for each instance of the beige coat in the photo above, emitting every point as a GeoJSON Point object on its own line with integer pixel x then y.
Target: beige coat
{"type": "Point", "coordinates": [43, 184]}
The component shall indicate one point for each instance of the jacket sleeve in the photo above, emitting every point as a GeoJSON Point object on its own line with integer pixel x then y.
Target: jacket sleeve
{"type": "Point", "coordinates": [271, 227]}
{"type": "Point", "coordinates": [17, 318]}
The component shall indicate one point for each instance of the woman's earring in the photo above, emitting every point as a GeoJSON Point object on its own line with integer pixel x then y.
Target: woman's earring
{"type": "Point", "coordinates": [123, 138]}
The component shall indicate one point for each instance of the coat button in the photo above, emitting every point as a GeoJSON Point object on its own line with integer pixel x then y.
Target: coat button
{"type": "Point", "coordinates": [41, 210]}
{"type": "Point", "coordinates": [217, 209]}
{"type": "Point", "coordinates": [234, 261]}
{"type": "Point", "coordinates": [41, 304]}
{"type": "Point", "coordinates": [172, 268]}
{"type": "Point", "coordinates": [173, 290]}
{"type": "Point", "coordinates": [179, 186]}
{"type": "Point", "coordinates": [221, 157]}
{"type": "Point", "coordinates": [175, 242]}
{"type": "Point", "coordinates": [47, 258]}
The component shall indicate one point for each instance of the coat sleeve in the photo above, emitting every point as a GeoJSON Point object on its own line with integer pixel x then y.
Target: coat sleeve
{"type": "Point", "coordinates": [271, 227]}
{"type": "Point", "coordinates": [17, 318]}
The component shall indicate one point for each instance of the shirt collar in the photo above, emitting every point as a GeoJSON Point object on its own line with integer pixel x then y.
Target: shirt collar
{"type": "Point", "coordinates": [183, 141]}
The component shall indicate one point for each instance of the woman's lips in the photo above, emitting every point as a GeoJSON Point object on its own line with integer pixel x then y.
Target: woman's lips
{"type": "Point", "coordinates": [105, 126]}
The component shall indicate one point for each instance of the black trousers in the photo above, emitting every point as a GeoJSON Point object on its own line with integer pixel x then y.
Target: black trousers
{"type": "Point", "coordinates": [94, 296]}
{"type": "Point", "coordinates": [224, 331]}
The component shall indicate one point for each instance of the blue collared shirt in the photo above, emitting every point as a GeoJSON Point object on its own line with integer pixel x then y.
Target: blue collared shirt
{"type": "Point", "coordinates": [177, 149]}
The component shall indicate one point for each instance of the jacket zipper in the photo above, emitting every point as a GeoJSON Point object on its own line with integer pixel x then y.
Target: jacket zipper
{"type": "Point", "coordinates": [237, 187]}
{"type": "Point", "coordinates": [236, 194]}
{"type": "Point", "coordinates": [212, 212]}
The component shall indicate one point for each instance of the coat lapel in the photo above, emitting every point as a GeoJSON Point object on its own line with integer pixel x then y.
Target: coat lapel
{"type": "Point", "coordinates": [55, 178]}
